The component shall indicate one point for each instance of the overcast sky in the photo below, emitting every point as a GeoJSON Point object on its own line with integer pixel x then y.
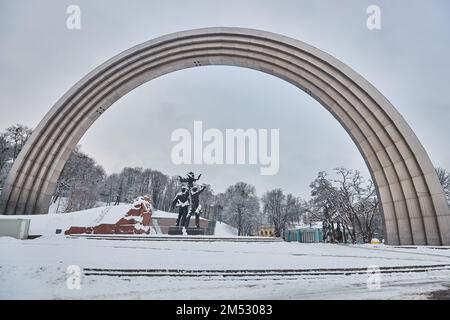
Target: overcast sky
{"type": "Point", "coordinates": [407, 60]}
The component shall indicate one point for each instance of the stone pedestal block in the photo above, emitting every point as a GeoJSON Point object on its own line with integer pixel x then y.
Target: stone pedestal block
{"type": "Point", "coordinates": [195, 231]}
{"type": "Point", "coordinates": [175, 231]}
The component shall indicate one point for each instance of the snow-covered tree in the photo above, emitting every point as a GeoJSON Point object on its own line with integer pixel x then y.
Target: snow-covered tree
{"type": "Point", "coordinates": [171, 189]}
{"type": "Point", "coordinates": [241, 208]}
{"type": "Point", "coordinates": [158, 183]}
{"type": "Point", "coordinates": [207, 201]}
{"type": "Point", "coordinates": [218, 207]}
{"type": "Point", "coordinates": [5, 150]}
{"type": "Point", "coordinates": [5, 156]}
{"type": "Point", "coordinates": [347, 205]}
{"type": "Point", "coordinates": [17, 136]}
{"type": "Point", "coordinates": [323, 204]}
{"type": "Point", "coordinates": [11, 143]}
{"type": "Point", "coordinates": [80, 182]}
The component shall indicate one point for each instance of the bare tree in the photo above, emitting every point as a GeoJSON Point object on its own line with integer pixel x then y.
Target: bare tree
{"type": "Point", "coordinates": [273, 202]}
{"type": "Point", "coordinates": [280, 209]}
{"type": "Point", "coordinates": [357, 204]}
{"type": "Point", "coordinates": [444, 179]}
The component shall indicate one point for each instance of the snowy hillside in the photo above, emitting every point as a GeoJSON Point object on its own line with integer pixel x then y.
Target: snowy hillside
{"type": "Point", "coordinates": [225, 230]}
{"type": "Point", "coordinates": [47, 224]}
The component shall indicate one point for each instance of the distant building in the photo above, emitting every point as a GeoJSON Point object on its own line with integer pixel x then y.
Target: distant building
{"type": "Point", "coordinates": [266, 231]}
{"type": "Point", "coordinates": [306, 235]}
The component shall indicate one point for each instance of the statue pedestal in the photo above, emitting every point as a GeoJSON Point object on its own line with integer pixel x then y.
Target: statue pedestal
{"type": "Point", "coordinates": [195, 231]}
{"type": "Point", "coordinates": [175, 231]}
{"type": "Point", "coordinates": [178, 231]}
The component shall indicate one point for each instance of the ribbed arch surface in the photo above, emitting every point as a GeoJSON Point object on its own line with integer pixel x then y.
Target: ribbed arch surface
{"type": "Point", "coordinates": [413, 202]}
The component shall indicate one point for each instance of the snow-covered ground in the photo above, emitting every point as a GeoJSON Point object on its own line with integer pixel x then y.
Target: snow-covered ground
{"type": "Point", "coordinates": [38, 268]}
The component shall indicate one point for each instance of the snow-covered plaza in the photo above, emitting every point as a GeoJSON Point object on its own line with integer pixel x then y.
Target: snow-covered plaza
{"type": "Point", "coordinates": [223, 266]}
{"type": "Point", "coordinates": [160, 269]}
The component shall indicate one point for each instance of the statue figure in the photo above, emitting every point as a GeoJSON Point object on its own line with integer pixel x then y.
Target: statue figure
{"type": "Point", "coordinates": [181, 201]}
{"type": "Point", "coordinates": [195, 207]}
{"type": "Point", "coordinates": [188, 200]}
{"type": "Point", "coordinates": [189, 179]}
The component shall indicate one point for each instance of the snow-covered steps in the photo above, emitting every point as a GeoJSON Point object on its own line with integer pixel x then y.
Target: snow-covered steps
{"type": "Point", "coordinates": [124, 237]}
{"type": "Point", "coordinates": [259, 274]}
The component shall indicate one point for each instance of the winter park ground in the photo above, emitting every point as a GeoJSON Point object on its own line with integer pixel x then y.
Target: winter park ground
{"type": "Point", "coordinates": [221, 267]}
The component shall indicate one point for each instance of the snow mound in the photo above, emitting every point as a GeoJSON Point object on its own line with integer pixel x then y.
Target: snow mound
{"type": "Point", "coordinates": [47, 224]}
{"type": "Point", "coordinates": [225, 230]}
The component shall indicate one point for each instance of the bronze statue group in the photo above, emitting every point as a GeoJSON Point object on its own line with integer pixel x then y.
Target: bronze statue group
{"type": "Point", "coordinates": [188, 200]}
